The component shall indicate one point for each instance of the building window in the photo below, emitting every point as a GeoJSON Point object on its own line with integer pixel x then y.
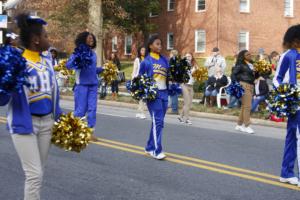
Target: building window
{"type": "Point", "coordinates": [289, 8]}
{"type": "Point", "coordinates": [114, 42]}
{"type": "Point", "coordinates": [200, 5]}
{"type": "Point", "coordinates": [171, 5]}
{"type": "Point", "coordinates": [128, 45]}
{"type": "Point", "coordinates": [200, 41]}
{"type": "Point", "coordinates": [244, 5]}
{"type": "Point", "coordinates": [243, 40]}
{"type": "Point", "coordinates": [170, 41]}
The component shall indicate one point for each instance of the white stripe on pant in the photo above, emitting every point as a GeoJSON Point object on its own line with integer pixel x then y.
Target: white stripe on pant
{"type": "Point", "coordinates": [33, 152]}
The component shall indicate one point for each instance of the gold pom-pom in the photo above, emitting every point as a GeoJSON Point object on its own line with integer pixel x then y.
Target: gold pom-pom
{"type": "Point", "coordinates": [71, 133]}
{"type": "Point", "coordinates": [200, 74]}
{"type": "Point", "coordinates": [61, 67]}
{"type": "Point", "coordinates": [110, 72]}
{"type": "Point", "coordinates": [262, 67]}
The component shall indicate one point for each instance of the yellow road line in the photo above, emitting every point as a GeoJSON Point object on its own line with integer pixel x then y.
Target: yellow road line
{"type": "Point", "coordinates": [185, 161]}
{"type": "Point", "coordinates": [266, 175]}
{"type": "Point", "coordinates": [191, 164]}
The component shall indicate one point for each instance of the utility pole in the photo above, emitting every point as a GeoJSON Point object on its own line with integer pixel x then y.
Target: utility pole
{"type": "Point", "coordinates": [96, 26]}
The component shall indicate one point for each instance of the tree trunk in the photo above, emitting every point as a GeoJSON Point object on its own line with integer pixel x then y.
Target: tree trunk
{"type": "Point", "coordinates": [96, 26]}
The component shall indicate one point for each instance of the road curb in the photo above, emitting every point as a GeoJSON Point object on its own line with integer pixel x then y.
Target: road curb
{"type": "Point", "coordinates": [192, 113]}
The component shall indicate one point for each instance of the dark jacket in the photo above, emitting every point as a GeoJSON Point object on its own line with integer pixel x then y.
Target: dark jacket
{"type": "Point", "coordinates": [216, 84]}
{"type": "Point", "coordinates": [263, 89]}
{"type": "Point", "coordinates": [242, 72]}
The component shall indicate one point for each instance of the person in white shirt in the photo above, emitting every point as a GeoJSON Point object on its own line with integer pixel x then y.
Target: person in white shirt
{"type": "Point", "coordinates": [215, 61]}
{"type": "Point", "coordinates": [135, 72]}
{"type": "Point", "coordinates": [188, 92]}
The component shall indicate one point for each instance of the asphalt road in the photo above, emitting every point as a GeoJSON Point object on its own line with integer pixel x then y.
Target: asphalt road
{"type": "Point", "coordinates": [206, 161]}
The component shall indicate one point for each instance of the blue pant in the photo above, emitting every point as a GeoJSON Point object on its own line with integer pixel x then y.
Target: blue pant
{"type": "Point", "coordinates": [85, 97]}
{"type": "Point", "coordinates": [157, 109]}
{"type": "Point", "coordinates": [256, 101]}
{"type": "Point", "coordinates": [234, 102]}
{"type": "Point", "coordinates": [174, 102]}
{"type": "Point", "coordinates": [290, 148]}
{"type": "Point", "coordinates": [211, 93]}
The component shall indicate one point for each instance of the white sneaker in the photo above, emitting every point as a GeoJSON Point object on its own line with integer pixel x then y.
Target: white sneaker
{"type": "Point", "coordinates": [151, 153]}
{"type": "Point", "coordinates": [142, 116]}
{"type": "Point", "coordinates": [239, 128]}
{"type": "Point", "coordinates": [189, 122]}
{"type": "Point", "coordinates": [292, 181]}
{"type": "Point", "coordinates": [248, 130]}
{"type": "Point", "coordinates": [138, 115]}
{"type": "Point", "coordinates": [160, 156]}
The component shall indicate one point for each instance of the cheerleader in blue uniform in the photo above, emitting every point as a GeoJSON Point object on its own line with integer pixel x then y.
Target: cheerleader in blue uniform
{"type": "Point", "coordinates": [156, 66]}
{"type": "Point", "coordinates": [287, 71]}
{"type": "Point", "coordinates": [85, 91]}
{"type": "Point", "coordinates": [31, 113]}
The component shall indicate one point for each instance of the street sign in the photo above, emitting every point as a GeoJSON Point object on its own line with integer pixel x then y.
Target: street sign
{"type": "Point", "coordinates": [3, 21]}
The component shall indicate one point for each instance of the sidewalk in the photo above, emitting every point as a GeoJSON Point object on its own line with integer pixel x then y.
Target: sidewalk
{"type": "Point", "coordinates": [192, 113]}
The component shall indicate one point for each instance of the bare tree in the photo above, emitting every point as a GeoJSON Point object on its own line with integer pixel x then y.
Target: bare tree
{"type": "Point", "coordinates": [96, 26]}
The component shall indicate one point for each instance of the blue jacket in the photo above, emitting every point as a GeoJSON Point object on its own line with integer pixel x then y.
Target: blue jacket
{"type": "Point", "coordinates": [287, 68]}
{"type": "Point", "coordinates": [19, 119]}
{"type": "Point", "coordinates": [87, 75]}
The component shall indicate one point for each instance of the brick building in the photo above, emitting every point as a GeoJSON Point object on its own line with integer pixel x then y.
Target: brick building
{"type": "Point", "coordinates": [199, 25]}
{"type": "Point", "coordinates": [196, 26]}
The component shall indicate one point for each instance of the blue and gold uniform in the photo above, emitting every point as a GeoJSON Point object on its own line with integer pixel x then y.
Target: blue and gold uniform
{"type": "Point", "coordinates": [157, 67]}
{"type": "Point", "coordinates": [288, 71]}
{"type": "Point", "coordinates": [85, 91]}
{"type": "Point", "coordinates": [40, 98]}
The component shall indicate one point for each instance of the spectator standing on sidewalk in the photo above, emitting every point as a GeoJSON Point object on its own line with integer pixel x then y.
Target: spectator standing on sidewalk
{"type": "Point", "coordinates": [115, 84]}
{"type": "Point", "coordinates": [173, 99]}
{"type": "Point", "coordinates": [135, 72]}
{"type": "Point", "coordinates": [215, 61]}
{"type": "Point", "coordinates": [188, 91]}
{"type": "Point", "coordinates": [244, 74]}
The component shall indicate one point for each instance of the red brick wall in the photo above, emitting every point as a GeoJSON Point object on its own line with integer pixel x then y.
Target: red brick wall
{"type": "Point", "coordinates": [265, 22]}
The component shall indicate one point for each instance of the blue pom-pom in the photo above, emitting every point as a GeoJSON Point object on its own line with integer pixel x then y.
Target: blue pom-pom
{"type": "Point", "coordinates": [174, 89]}
{"type": "Point", "coordinates": [13, 73]}
{"type": "Point", "coordinates": [235, 89]}
{"type": "Point", "coordinates": [284, 100]}
{"type": "Point", "coordinates": [142, 88]}
{"type": "Point", "coordinates": [83, 56]}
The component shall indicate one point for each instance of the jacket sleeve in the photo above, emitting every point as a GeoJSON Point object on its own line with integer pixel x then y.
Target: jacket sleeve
{"type": "Point", "coordinates": [135, 68]}
{"type": "Point", "coordinates": [4, 99]}
{"type": "Point", "coordinates": [70, 62]}
{"type": "Point", "coordinates": [222, 81]}
{"type": "Point", "coordinates": [99, 70]}
{"type": "Point", "coordinates": [282, 68]}
{"type": "Point", "coordinates": [208, 62]}
{"type": "Point", "coordinates": [236, 70]}
{"type": "Point", "coordinates": [143, 69]}
{"type": "Point", "coordinates": [263, 88]}
{"type": "Point", "coordinates": [59, 112]}
{"type": "Point", "coordinates": [223, 64]}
